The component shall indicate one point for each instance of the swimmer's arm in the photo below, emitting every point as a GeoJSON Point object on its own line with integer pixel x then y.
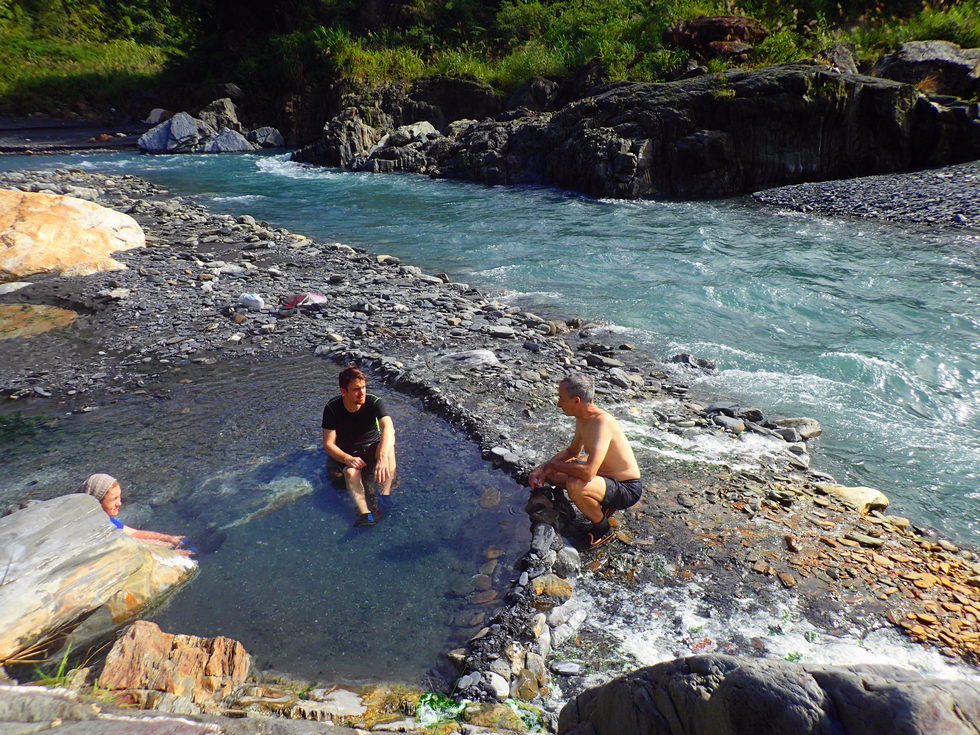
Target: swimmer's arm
{"type": "Point", "coordinates": [173, 542]}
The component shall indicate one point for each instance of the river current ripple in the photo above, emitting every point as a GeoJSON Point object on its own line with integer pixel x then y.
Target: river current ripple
{"type": "Point", "coordinates": [871, 328]}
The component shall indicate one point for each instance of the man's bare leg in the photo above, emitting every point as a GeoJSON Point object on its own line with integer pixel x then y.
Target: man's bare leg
{"type": "Point", "coordinates": [587, 496]}
{"type": "Point", "coordinates": [355, 486]}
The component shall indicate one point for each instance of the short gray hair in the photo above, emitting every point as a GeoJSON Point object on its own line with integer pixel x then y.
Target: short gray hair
{"type": "Point", "coordinates": [580, 385]}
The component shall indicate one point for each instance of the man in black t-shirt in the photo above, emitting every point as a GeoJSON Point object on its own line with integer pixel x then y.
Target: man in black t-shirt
{"type": "Point", "coordinates": [359, 438]}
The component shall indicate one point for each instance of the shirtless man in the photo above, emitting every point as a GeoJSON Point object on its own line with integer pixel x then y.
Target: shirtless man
{"type": "Point", "coordinates": [609, 478]}
{"type": "Point", "coordinates": [359, 439]}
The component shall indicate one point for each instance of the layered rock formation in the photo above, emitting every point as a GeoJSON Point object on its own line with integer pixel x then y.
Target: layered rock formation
{"type": "Point", "coordinates": [712, 136]}
{"type": "Point", "coordinates": [67, 569]}
{"type": "Point", "coordinates": [43, 233]}
{"type": "Point", "coordinates": [724, 695]}
{"type": "Point", "coordinates": [161, 670]}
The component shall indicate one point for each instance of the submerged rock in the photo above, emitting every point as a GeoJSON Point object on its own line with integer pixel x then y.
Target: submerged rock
{"type": "Point", "coordinates": [705, 695]}
{"type": "Point", "coordinates": [64, 561]}
{"type": "Point", "coordinates": [27, 320]}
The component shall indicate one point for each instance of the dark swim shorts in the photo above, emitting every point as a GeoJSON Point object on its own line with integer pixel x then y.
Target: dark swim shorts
{"type": "Point", "coordinates": [335, 470]}
{"type": "Point", "coordinates": [621, 494]}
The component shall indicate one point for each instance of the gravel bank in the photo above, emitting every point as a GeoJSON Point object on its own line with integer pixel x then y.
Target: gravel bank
{"type": "Point", "coordinates": [942, 198]}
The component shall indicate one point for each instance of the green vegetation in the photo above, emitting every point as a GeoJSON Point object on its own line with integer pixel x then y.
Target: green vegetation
{"type": "Point", "coordinates": [55, 52]}
{"type": "Point", "coordinates": [55, 75]}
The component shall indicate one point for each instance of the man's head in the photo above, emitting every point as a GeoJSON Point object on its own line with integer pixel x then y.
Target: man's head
{"type": "Point", "coordinates": [575, 390]}
{"type": "Point", "coordinates": [353, 388]}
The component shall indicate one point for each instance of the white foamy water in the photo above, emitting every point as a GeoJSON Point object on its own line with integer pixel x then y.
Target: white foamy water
{"type": "Point", "coordinates": [654, 624]}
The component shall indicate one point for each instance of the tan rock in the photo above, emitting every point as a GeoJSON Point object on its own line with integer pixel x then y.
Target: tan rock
{"type": "Point", "coordinates": [551, 590]}
{"type": "Point", "coordinates": [27, 320]}
{"type": "Point", "coordinates": [862, 499]}
{"type": "Point", "coordinates": [203, 670]}
{"type": "Point", "coordinates": [48, 233]}
{"type": "Point", "coordinates": [494, 716]}
{"type": "Point", "coordinates": [63, 561]}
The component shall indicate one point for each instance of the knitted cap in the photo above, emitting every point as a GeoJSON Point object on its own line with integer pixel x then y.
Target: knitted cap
{"type": "Point", "coordinates": [98, 485]}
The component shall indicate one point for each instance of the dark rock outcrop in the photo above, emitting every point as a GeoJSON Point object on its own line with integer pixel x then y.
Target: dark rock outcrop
{"type": "Point", "coordinates": [712, 136]}
{"type": "Point", "coordinates": [718, 135]}
{"type": "Point", "coordinates": [724, 695]}
{"type": "Point", "coordinates": [436, 99]}
{"type": "Point", "coordinates": [934, 67]}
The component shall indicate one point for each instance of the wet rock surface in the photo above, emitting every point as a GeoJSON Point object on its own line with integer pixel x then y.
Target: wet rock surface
{"type": "Point", "coordinates": [492, 371]}
{"type": "Point", "coordinates": [939, 198]}
{"type": "Point", "coordinates": [711, 694]}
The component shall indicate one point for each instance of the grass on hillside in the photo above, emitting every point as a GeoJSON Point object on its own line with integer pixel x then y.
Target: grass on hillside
{"type": "Point", "coordinates": [53, 75]}
{"type": "Point", "coordinates": [557, 37]}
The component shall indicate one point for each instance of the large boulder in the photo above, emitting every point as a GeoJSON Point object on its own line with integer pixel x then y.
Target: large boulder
{"type": "Point", "coordinates": [716, 135]}
{"type": "Point", "coordinates": [185, 134]}
{"type": "Point", "coordinates": [227, 141]}
{"type": "Point", "coordinates": [221, 114]}
{"type": "Point", "coordinates": [934, 67]}
{"type": "Point", "coordinates": [860, 498]}
{"type": "Point", "coordinates": [266, 137]}
{"type": "Point", "coordinates": [49, 233]}
{"type": "Point", "coordinates": [347, 138]}
{"type": "Point", "coordinates": [146, 663]}
{"type": "Point", "coordinates": [180, 134]}
{"type": "Point", "coordinates": [725, 695]}
{"type": "Point", "coordinates": [66, 566]}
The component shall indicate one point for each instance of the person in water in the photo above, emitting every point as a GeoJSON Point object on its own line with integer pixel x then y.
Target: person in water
{"type": "Point", "coordinates": [106, 489]}
{"type": "Point", "coordinates": [609, 478]}
{"type": "Point", "coordinates": [359, 439]}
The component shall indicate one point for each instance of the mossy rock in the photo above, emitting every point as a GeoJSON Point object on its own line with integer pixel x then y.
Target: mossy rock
{"type": "Point", "coordinates": [495, 717]}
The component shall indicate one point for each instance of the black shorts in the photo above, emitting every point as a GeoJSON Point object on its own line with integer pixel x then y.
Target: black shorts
{"type": "Point", "coordinates": [369, 453]}
{"type": "Point", "coordinates": [621, 494]}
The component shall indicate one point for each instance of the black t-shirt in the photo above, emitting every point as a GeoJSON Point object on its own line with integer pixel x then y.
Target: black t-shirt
{"type": "Point", "coordinates": [355, 430]}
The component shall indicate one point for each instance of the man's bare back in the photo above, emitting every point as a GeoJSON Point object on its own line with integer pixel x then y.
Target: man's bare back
{"type": "Point", "coordinates": [607, 478]}
{"type": "Point", "coordinates": [618, 461]}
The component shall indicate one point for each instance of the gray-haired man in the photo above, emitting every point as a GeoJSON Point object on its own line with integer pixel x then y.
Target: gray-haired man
{"type": "Point", "coordinates": [608, 479]}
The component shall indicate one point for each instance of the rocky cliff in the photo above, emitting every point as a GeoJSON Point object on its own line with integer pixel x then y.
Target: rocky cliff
{"type": "Point", "coordinates": [711, 136]}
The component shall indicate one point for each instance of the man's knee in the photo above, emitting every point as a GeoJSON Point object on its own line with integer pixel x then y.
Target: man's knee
{"type": "Point", "coordinates": [350, 473]}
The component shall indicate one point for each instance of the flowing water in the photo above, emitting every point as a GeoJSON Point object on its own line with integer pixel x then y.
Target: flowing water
{"type": "Point", "coordinates": [304, 590]}
{"type": "Point", "coordinates": [871, 328]}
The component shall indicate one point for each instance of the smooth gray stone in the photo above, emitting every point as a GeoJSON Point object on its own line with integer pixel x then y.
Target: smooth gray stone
{"type": "Point", "coordinates": [708, 695]}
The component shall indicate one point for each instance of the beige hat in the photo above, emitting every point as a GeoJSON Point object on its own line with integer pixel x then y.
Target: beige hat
{"type": "Point", "coordinates": [98, 485]}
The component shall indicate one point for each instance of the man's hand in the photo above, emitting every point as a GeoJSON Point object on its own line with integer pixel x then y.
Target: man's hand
{"type": "Point", "coordinates": [537, 477]}
{"type": "Point", "coordinates": [382, 470]}
{"type": "Point", "coordinates": [355, 463]}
